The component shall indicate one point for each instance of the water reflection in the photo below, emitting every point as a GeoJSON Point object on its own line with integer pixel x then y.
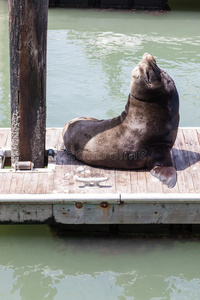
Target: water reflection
{"type": "Point", "coordinates": [38, 265]}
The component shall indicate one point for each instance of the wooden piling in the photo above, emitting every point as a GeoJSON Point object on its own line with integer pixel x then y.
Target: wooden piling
{"type": "Point", "coordinates": [28, 41]}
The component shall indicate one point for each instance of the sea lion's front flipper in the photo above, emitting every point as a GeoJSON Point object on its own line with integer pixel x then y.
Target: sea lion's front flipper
{"type": "Point", "coordinates": [161, 166]}
{"type": "Point", "coordinates": [167, 175]}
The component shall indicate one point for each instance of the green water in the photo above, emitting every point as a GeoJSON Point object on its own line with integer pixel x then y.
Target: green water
{"type": "Point", "coordinates": [90, 58]}
{"type": "Point", "coordinates": [36, 264]}
{"type": "Point", "coordinates": [91, 54]}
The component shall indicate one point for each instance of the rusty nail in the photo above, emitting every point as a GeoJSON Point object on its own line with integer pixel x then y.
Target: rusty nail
{"type": "Point", "coordinates": [104, 204]}
{"type": "Point", "coordinates": [79, 205]}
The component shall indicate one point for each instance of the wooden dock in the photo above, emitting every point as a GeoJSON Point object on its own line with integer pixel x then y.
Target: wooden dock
{"type": "Point", "coordinates": [53, 195]}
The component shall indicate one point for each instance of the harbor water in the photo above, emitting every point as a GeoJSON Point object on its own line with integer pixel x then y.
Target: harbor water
{"type": "Point", "coordinates": [37, 264]}
{"type": "Point", "coordinates": [91, 54]}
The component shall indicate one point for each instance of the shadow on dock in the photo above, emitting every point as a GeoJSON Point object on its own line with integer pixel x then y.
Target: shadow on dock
{"type": "Point", "coordinates": [183, 159]}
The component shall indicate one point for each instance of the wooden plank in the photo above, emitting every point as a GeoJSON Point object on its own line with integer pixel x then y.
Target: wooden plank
{"type": "Point", "coordinates": [50, 187]}
{"type": "Point", "coordinates": [17, 183]}
{"type": "Point", "coordinates": [8, 142]}
{"type": "Point", "coordinates": [5, 183]}
{"type": "Point", "coordinates": [153, 184]}
{"type": "Point", "coordinates": [138, 181]}
{"type": "Point", "coordinates": [62, 172]}
{"type": "Point", "coordinates": [63, 166]}
{"type": "Point", "coordinates": [61, 181]}
{"type": "Point", "coordinates": [42, 183]}
{"type": "Point", "coordinates": [128, 213]}
{"type": "Point", "coordinates": [52, 136]}
{"type": "Point", "coordinates": [175, 189]}
{"type": "Point", "coordinates": [60, 139]}
{"type": "Point", "coordinates": [198, 134]}
{"type": "Point", "coordinates": [3, 138]}
{"type": "Point", "coordinates": [20, 213]}
{"type": "Point", "coordinates": [30, 183]}
{"type": "Point", "coordinates": [184, 173]}
{"type": "Point", "coordinates": [193, 148]}
{"type": "Point", "coordinates": [123, 181]}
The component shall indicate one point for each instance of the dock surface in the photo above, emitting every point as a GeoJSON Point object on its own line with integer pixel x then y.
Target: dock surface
{"type": "Point", "coordinates": [127, 196]}
{"type": "Point", "coordinates": [186, 158]}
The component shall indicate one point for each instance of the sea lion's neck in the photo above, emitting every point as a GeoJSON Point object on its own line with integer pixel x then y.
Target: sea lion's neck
{"type": "Point", "coordinates": [142, 100]}
{"type": "Point", "coordinates": [131, 104]}
{"type": "Point", "coordinates": [136, 98]}
{"type": "Point", "coordinates": [125, 112]}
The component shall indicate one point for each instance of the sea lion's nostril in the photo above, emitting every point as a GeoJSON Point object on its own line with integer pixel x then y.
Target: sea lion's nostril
{"type": "Point", "coordinates": [148, 78]}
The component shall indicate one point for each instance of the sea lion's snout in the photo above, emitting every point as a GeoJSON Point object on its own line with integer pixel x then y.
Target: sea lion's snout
{"type": "Point", "coordinates": [146, 71]}
{"type": "Point", "coordinates": [149, 68]}
{"type": "Point", "coordinates": [148, 57]}
{"type": "Point", "coordinates": [148, 62]}
{"type": "Point", "coordinates": [146, 81]}
{"type": "Point", "coordinates": [143, 65]}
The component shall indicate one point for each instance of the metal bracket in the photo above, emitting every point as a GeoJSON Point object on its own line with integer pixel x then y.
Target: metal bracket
{"type": "Point", "coordinates": [27, 166]}
{"type": "Point", "coordinates": [91, 181]}
{"type": "Point", "coordinates": [23, 165]}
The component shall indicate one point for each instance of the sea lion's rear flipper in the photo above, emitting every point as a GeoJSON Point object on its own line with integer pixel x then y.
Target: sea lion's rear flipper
{"type": "Point", "coordinates": [167, 175]}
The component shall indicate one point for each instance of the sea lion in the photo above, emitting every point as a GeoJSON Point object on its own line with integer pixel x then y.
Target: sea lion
{"type": "Point", "coordinates": [142, 136]}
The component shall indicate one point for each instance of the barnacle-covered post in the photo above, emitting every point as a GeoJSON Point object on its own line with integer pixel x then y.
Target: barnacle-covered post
{"type": "Point", "coordinates": [28, 43]}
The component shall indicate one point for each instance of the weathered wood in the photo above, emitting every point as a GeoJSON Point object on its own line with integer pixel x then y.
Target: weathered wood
{"type": "Point", "coordinates": [184, 173]}
{"type": "Point", "coordinates": [175, 189]}
{"type": "Point", "coordinates": [63, 166]}
{"type": "Point", "coordinates": [20, 213]}
{"type": "Point", "coordinates": [193, 152]}
{"type": "Point", "coordinates": [138, 181]}
{"type": "Point", "coordinates": [17, 182]}
{"type": "Point", "coordinates": [7, 184]}
{"type": "Point", "coordinates": [42, 183]}
{"type": "Point", "coordinates": [3, 138]}
{"type": "Point", "coordinates": [185, 155]}
{"type": "Point", "coordinates": [153, 184]}
{"type": "Point", "coordinates": [123, 181]}
{"type": "Point", "coordinates": [8, 142]}
{"type": "Point", "coordinates": [128, 213]}
{"type": "Point", "coordinates": [30, 183]}
{"type": "Point", "coordinates": [28, 39]}
{"type": "Point", "coordinates": [52, 136]}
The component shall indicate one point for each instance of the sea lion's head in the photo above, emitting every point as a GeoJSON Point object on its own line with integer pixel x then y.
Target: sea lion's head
{"type": "Point", "coordinates": [149, 82]}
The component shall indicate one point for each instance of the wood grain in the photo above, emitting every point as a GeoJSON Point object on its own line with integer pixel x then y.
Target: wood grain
{"type": "Point", "coordinates": [185, 155]}
{"type": "Point", "coordinates": [28, 44]}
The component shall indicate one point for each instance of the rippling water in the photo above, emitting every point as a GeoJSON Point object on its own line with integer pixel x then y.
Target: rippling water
{"type": "Point", "coordinates": [96, 51]}
{"type": "Point", "coordinates": [90, 58]}
{"type": "Point", "coordinates": [35, 264]}
{"type": "Point", "coordinates": [91, 55]}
